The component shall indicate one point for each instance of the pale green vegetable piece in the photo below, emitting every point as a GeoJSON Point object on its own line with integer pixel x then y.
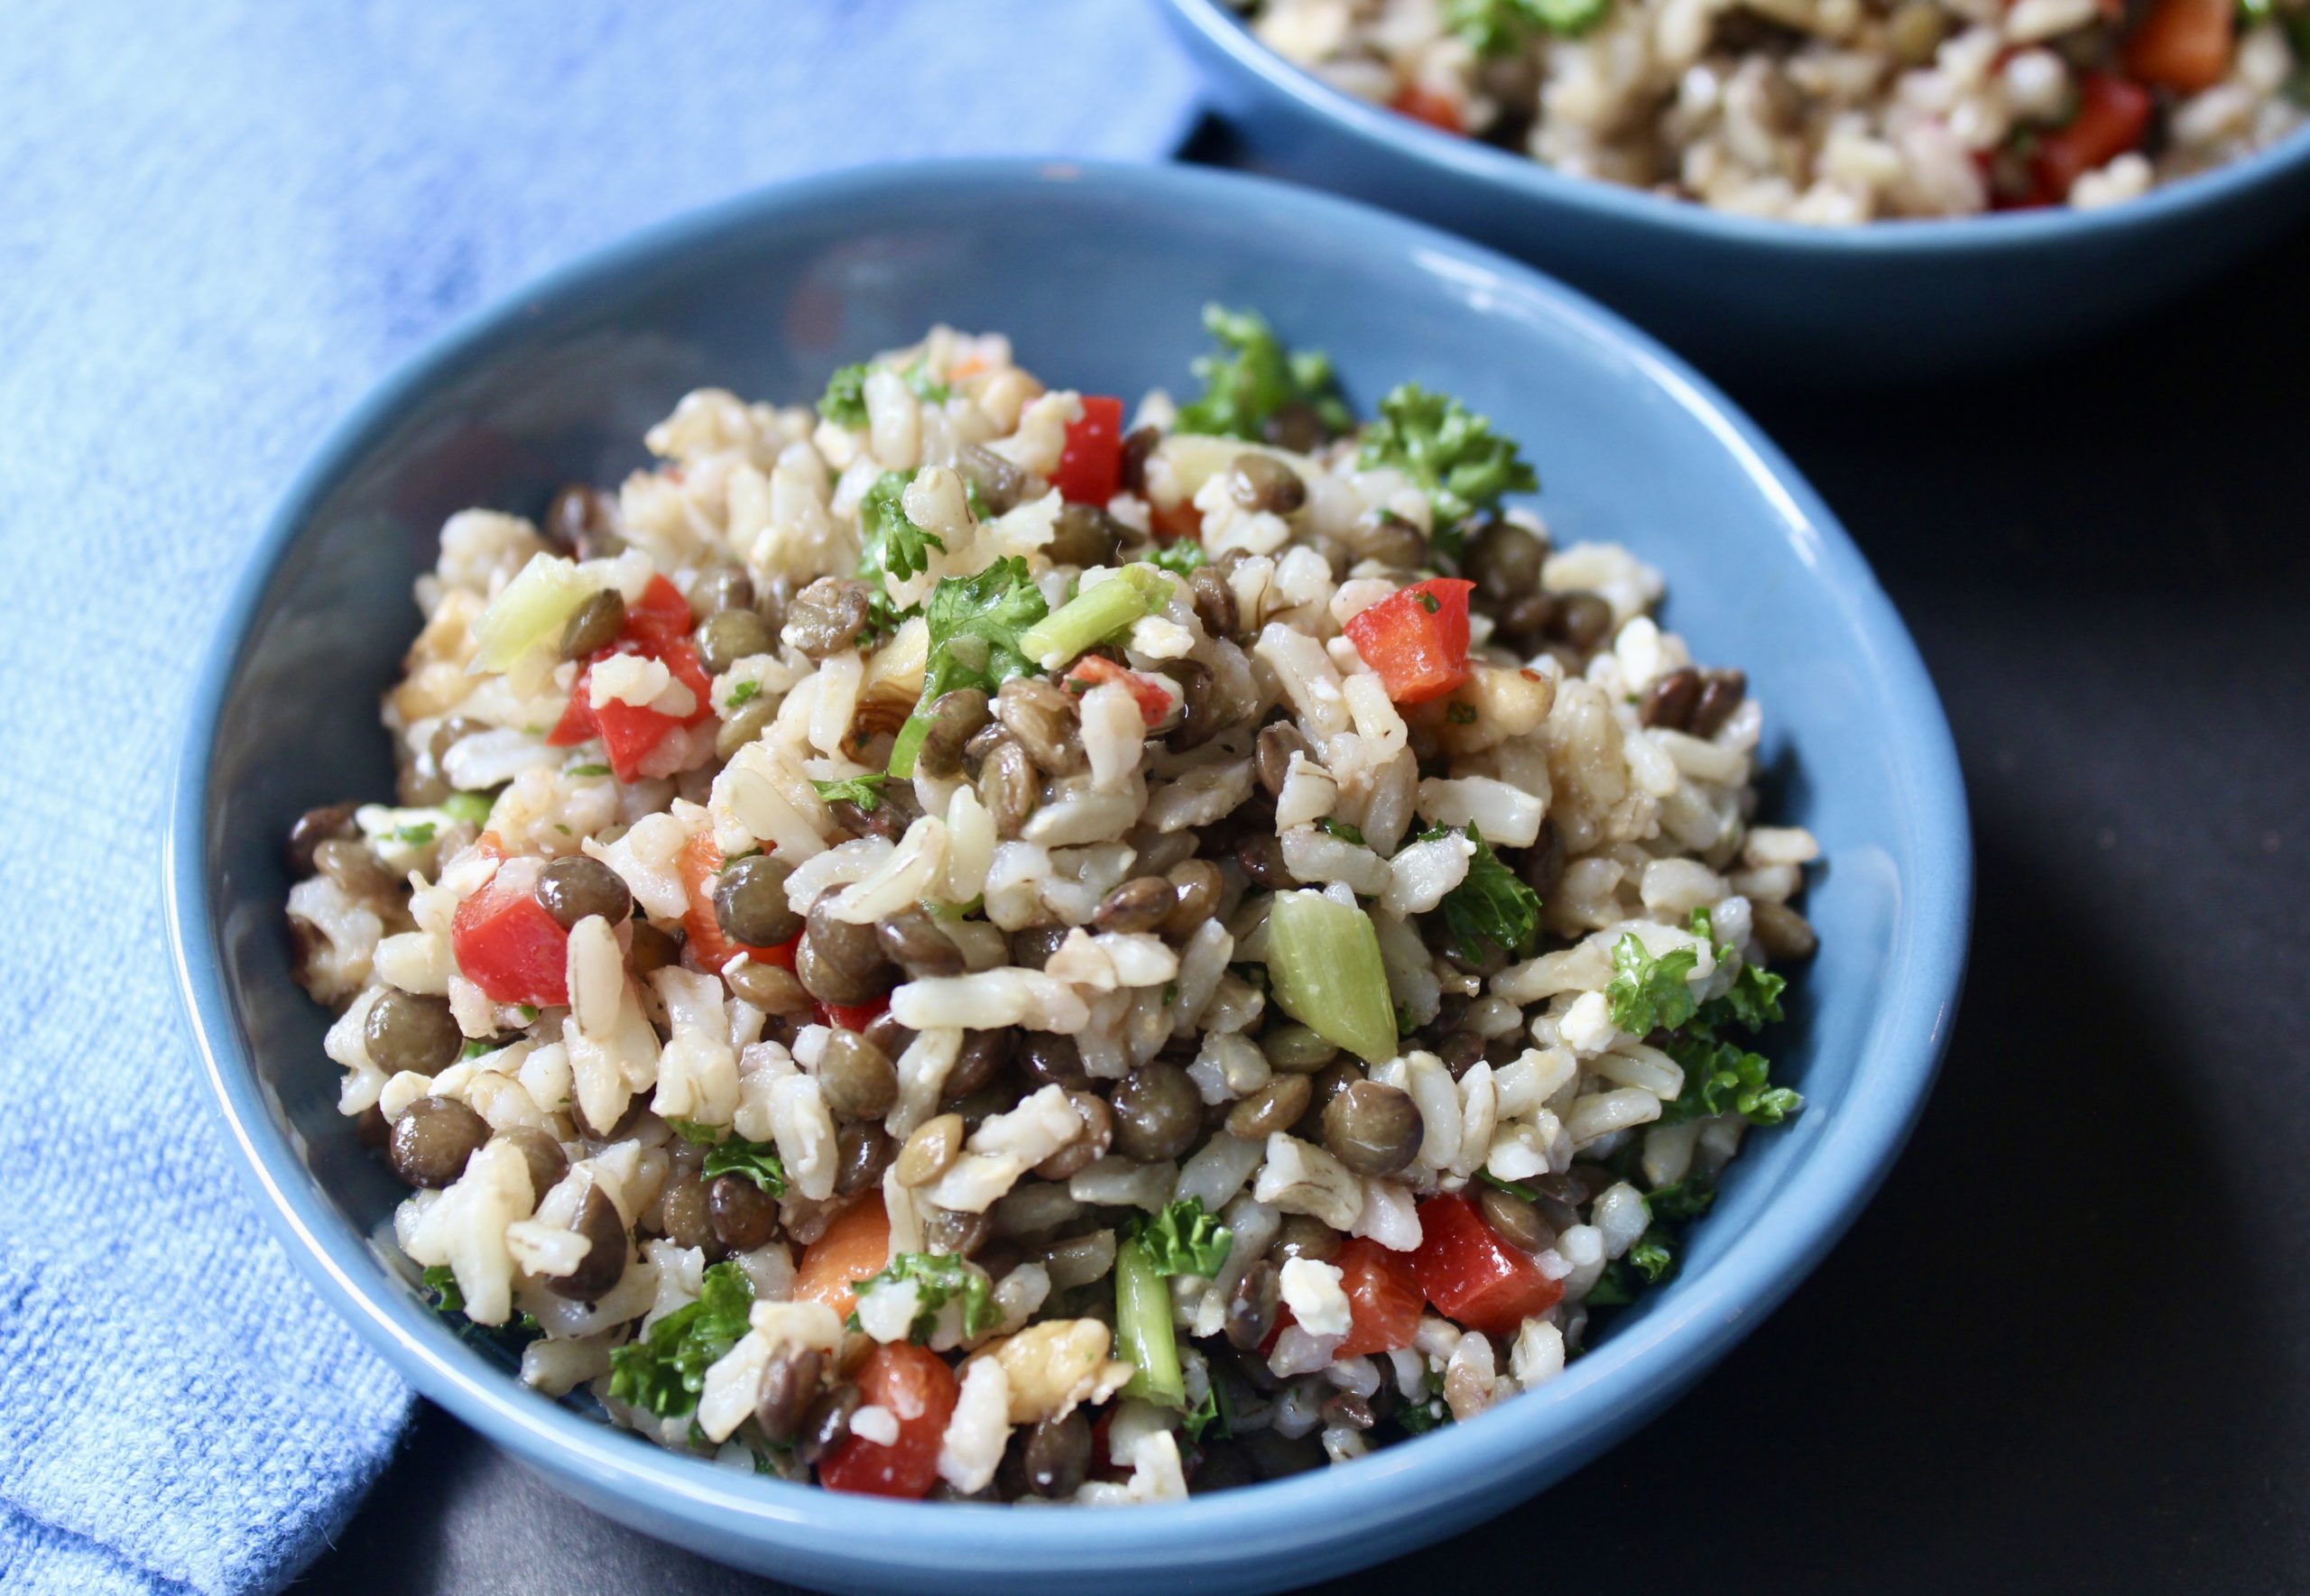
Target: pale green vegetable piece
{"type": "Point", "coordinates": [529, 613]}
{"type": "Point", "coordinates": [1095, 614]}
{"type": "Point", "coordinates": [1322, 966]}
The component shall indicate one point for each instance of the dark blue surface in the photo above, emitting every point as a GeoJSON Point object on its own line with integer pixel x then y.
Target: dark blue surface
{"type": "Point", "coordinates": [1764, 299]}
{"type": "Point", "coordinates": [1098, 273]}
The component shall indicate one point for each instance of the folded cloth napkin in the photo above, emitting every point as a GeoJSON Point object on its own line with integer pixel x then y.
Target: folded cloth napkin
{"type": "Point", "coordinates": [219, 225]}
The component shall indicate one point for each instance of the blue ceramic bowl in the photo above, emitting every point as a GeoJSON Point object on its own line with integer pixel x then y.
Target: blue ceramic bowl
{"type": "Point", "coordinates": [1099, 275]}
{"type": "Point", "coordinates": [1775, 301]}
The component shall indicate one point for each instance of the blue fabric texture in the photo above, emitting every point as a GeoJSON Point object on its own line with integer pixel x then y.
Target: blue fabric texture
{"type": "Point", "coordinates": [220, 224]}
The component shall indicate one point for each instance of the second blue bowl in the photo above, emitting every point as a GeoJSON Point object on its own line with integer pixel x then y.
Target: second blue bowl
{"type": "Point", "coordinates": [1772, 300]}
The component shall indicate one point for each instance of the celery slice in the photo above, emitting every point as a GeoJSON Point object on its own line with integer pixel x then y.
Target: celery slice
{"type": "Point", "coordinates": [1322, 966]}
{"type": "Point", "coordinates": [1144, 1333]}
{"type": "Point", "coordinates": [531, 611]}
{"type": "Point", "coordinates": [1095, 614]}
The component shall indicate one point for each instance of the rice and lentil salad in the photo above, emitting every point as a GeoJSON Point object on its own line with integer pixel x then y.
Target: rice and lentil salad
{"type": "Point", "coordinates": [944, 945]}
{"type": "Point", "coordinates": [1830, 111]}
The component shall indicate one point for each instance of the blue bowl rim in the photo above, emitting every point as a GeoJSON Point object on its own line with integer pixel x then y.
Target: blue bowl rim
{"type": "Point", "coordinates": [1518, 178]}
{"type": "Point", "coordinates": [1629, 1376]}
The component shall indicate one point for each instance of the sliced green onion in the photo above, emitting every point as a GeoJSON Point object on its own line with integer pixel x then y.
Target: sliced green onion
{"type": "Point", "coordinates": [472, 808]}
{"type": "Point", "coordinates": [530, 612]}
{"type": "Point", "coordinates": [1093, 616]}
{"type": "Point", "coordinates": [1144, 1333]}
{"type": "Point", "coordinates": [1323, 963]}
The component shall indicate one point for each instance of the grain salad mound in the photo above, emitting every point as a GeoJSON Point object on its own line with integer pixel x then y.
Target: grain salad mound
{"type": "Point", "coordinates": [946, 946]}
{"type": "Point", "coordinates": [1830, 111]}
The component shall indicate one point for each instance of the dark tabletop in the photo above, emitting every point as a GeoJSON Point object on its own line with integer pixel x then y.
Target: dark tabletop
{"type": "Point", "coordinates": [2063, 1350]}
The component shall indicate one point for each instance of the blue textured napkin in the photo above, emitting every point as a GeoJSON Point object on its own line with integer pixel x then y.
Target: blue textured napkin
{"type": "Point", "coordinates": [220, 224]}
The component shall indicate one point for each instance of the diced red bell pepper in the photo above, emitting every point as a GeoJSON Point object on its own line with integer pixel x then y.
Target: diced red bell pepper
{"type": "Point", "coordinates": [2184, 45]}
{"type": "Point", "coordinates": [854, 1017]}
{"type": "Point", "coordinates": [1182, 519]}
{"type": "Point", "coordinates": [1382, 1297]}
{"type": "Point", "coordinates": [2112, 116]}
{"type": "Point", "coordinates": [1438, 111]}
{"type": "Point", "coordinates": [507, 945]}
{"type": "Point", "coordinates": [701, 867]}
{"type": "Point", "coordinates": [916, 1388]}
{"type": "Point", "coordinates": [1417, 639]}
{"type": "Point", "coordinates": [1475, 1278]}
{"type": "Point", "coordinates": [1090, 465]}
{"type": "Point", "coordinates": [1093, 670]}
{"type": "Point", "coordinates": [657, 627]}
{"type": "Point", "coordinates": [660, 615]}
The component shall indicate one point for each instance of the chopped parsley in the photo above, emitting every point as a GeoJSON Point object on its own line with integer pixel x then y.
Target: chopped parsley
{"type": "Point", "coordinates": [441, 1287]}
{"type": "Point", "coordinates": [1489, 905]}
{"type": "Point", "coordinates": [1252, 376]}
{"type": "Point", "coordinates": [938, 1278]}
{"type": "Point", "coordinates": [756, 1160]}
{"type": "Point", "coordinates": [1179, 556]}
{"type": "Point", "coordinates": [1720, 1076]}
{"type": "Point", "coordinates": [845, 401]}
{"type": "Point", "coordinates": [1449, 452]}
{"type": "Point", "coordinates": [663, 1372]}
{"type": "Point", "coordinates": [476, 1049]}
{"type": "Point", "coordinates": [1182, 1239]}
{"type": "Point", "coordinates": [414, 836]}
{"type": "Point", "coordinates": [1342, 830]}
{"type": "Point", "coordinates": [894, 545]}
{"type": "Point", "coordinates": [974, 623]}
{"type": "Point", "coordinates": [926, 387]}
{"type": "Point", "coordinates": [744, 693]}
{"type": "Point", "coordinates": [1496, 28]}
{"type": "Point", "coordinates": [1460, 714]}
{"type": "Point", "coordinates": [587, 770]}
{"type": "Point", "coordinates": [1213, 1409]}
{"type": "Point", "coordinates": [1427, 601]}
{"type": "Point", "coordinates": [1648, 993]}
{"type": "Point", "coordinates": [697, 1132]}
{"type": "Point", "coordinates": [1419, 1417]}
{"type": "Point", "coordinates": [865, 791]}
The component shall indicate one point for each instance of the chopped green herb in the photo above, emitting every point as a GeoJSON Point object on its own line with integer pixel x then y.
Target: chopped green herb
{"type": "Point", "coordinates": [1496, 28]}
{"type": "Point", "coordinates": [1515, 1188]}
{"type": "Point", "coordinates": [1180, 557]}
{"type": "Point", "coordinates": [1449, 452]}
{"type": "Point", "coordinates": [1182, 1239]}
{"type": "Point", "coordinates": [756, 1160]}
{"type": "Point", "coordinates": [1651, 1259]}
{"type": "Point", "coordinates": [1489, 905]}
{"type": "Point", "coordinates": [441, 1281]}
{"type": "Point", "coordinates": [939, 1278]}
{"type": "Point", "coordinates": [697, 1132]}
{"type": "Point", "coordinates": [744, 693]}
{"type": "Point", "coordinates": [587, 770]}
{"type": "Point", "coordinates": [975, 497]}
{"type": "Point", "coordinates": [927, 388]}
{"type": "Point", "coordinates": [1682, 1200]}
{"type": "Point", "coordinates": [1724, 1078]}
{"type": "Point", "coordinates": [440, 1285]}
{"type": "Point", "coordinates": [529, 1013]}
{"type": "Point", "coordinates": [1213, 1409]}
{"type": "Point", "coordinates": [1460, 714]}
{"type": "Point", "coordinates": [663, 1372]}
{"type": "Point", "coordinates": [1252, 376]}
{"type": "Point", "coordinates": [865, 791]}
{"type": "Point", "coordinates": [1419, 1417]}
{"type": "Point", "coordinates": [1342, 830]}
{"type": "Point", "coordinates": [845, 401]}
{"type": "Point", "coordinates": [1649, 993]}
{"type": "Point", "coordinates": [476, 1049]}
{"type": "Point", "coordinates": [1407, 1022]}
{"type": "Point", "coordinates": [975, 623]}
{"type": "Point", "coordinates": [894, 545]}
{"type": "Point", "coordinates": [1427, 601]}
{"type": "Point", "coordinates": [414, 836]}
{"type": "Point", "coordinates": [1617, 1284]}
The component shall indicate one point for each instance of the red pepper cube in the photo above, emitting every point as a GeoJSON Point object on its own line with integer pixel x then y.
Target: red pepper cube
{"type": "Point", "coordinates": [915, 1387]}
{"type": "Point", "coordinates": [1090, 465]}
{"type": "Point", "coordinates": [1417, 640]}
{"type": "Point", "coordinates": [2112, 116]}
{"type": "Point", "coordinates": [507, 945]}
{"type": "Point", "coordinates": [1093, 669]}
{"type": "Point", "coordinates": [1475, 1278]}
{"type": "Point", "coordinates": [1383, 1297]}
